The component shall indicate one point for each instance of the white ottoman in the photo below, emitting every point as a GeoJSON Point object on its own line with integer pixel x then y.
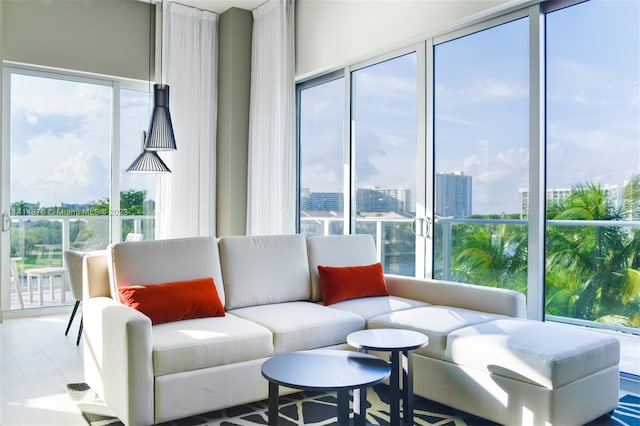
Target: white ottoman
{"type": "Point", "coordinates": [572, 372]}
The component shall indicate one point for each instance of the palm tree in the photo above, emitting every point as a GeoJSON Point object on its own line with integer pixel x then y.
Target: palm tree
{"type": "Point", "coordinates": [492, 255]}
{"type": "Point", "coordinates": [589, 267]}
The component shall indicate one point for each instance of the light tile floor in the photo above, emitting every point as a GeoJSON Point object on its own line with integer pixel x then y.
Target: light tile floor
{"type": "Point", "coordinates": [38, 360]}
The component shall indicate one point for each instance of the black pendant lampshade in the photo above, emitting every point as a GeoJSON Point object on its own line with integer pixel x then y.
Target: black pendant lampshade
{"type": "Point", "coordinates": [160, 135]}
{"type": "Point", "coordinates": [148, 162]}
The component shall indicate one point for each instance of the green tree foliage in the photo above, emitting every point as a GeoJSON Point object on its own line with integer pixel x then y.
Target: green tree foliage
{"type": "Point", "coordinates": [492, 255]}
{"type": "Point", "coordinates": [89, 227]}
{"type": "Point", "coordinates": [592, 272]}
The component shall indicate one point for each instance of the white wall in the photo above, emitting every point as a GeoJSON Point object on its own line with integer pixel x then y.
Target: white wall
{"type": "Point", "coordinates": [333, 33]}
{"type": "Point", "coordinates": [101, 36]}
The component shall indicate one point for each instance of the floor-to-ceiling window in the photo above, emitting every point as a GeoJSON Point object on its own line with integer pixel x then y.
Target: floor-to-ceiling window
{"type": "Point", "coordinates": [322, 157]}
{"type": "Point", "coordinates": [481, 161]}
{"type": "Point", "coordinates": [593, 162]}
{"type": "Point", "coordinates": [64, 137]}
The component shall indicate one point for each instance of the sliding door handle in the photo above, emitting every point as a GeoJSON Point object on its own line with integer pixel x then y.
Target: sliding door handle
{"type": "Point", "coordinates": [6, 221]}
{"type": "Point", "coordinates": [414, 227]}
{"type": "Point", "coordinates": [421, 226]}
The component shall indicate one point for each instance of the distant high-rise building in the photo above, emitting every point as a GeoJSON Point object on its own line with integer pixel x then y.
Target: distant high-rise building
{"type": "Point", "coordinates": [402, 195]}
{"type": "Point", "coordinates": [561, 194]}
{"type": "Point", "coordinates": [322, 201]}
{"type": "Point", "coordinates": [553, 194]}
{"type": "Point", "coordinates": [382, 200]}
{"type": "Point", "coordinates": [453, 194]}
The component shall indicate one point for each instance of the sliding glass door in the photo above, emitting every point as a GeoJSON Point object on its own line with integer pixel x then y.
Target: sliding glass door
{"type": "Point", "coordinates": [64, 184]}
{"type": "Point", "coordinates": [384, 147]}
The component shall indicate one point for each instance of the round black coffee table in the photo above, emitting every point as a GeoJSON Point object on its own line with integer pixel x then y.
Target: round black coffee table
{"type": "Point", "coordinates": [329, 370]}
{"type": "Point", "coordinates": [398, 343]}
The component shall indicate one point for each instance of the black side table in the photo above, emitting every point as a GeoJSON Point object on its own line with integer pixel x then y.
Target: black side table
{"type": "Point", "coordinates": [329, 370]}
{"type": "Point", "coordinates": [398, 343]}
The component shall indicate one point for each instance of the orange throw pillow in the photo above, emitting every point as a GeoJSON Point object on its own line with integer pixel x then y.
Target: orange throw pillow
{"type": "Point", "coordinates": [174, 301]}
{"type": "Point", "coordinates": [351, 282]}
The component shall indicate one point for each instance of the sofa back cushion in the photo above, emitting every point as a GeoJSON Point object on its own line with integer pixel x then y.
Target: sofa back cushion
{"type": "Point", "coordinates": [260, 270]}
{"type": "Point", "coordinates": [164, 261]}
{"type": "Point", "coordinates": [338, 250]}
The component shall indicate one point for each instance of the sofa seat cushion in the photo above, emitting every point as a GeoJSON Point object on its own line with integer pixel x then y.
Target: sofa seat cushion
{"type": "Point", "coordinates": [435, 321]}
{"type": "Point", "coordinates": [370, 307]}
{"type": "Point", "coordinates": [207, 342]}
{"type": "Point", "coordinates": [302, 325]}
{"type": "Point", "coordinates": [541, 353]}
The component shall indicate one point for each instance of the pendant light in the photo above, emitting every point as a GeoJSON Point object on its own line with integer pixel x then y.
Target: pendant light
{"type": "Point", "coordinates": [160, 135]}
{"type": "Point", "coordinates": [148, 161]}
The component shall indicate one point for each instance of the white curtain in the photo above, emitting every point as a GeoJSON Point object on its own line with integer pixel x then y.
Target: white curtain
{"type": "Point", "coordinates": [272, 159]}
{"type": "Point", "coordinates": [185, 199]}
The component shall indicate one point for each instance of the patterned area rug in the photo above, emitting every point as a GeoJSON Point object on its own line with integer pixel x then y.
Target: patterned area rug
{"type": "Point", "coordinates": [319, 409]}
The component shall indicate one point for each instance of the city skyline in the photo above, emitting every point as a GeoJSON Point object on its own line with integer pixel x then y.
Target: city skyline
{"type": "Point", "coordinates": [453, 189]}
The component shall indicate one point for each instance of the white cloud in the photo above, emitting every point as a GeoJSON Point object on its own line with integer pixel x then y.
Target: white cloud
{"type": "Point", "coordinates": [385, 86]}
{"type": "Point", "coordinates": [319, 111]}
{"type": "Point", "coordinates": [496, 177]}
{"type": "Point", "coordinates": [494, 89]}
{"type": "Point", "coordinates": [63, 97]}
{"type": "Point", "coordinates": [392, 141]}
{"type": "Point", "coordinates": [458, 120]}
{"type": "Point", "coordinates": [590, 85]}
{"type": "Point", "coordinates": [480, 91]}
{"type": "Point", "coordinates": [58, 168]}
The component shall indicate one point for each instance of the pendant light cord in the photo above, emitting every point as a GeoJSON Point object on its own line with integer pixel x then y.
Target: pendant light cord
{"type": "Point", "coordinates": [161, 37]}
{"type": "Point", "coordinates": [151, 49]}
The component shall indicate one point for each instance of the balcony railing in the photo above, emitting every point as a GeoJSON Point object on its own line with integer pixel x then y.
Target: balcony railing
{"type": "Point", "coordinates": [40, 240]}
{"type": "Point", "coordinates": [92, 232]}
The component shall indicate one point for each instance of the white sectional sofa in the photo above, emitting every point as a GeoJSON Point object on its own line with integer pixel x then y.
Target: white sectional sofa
{"type": "Point", "coordinates": [483, 356]}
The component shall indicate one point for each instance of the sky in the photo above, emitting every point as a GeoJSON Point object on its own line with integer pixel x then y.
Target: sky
{"type": "Point", "coordinates": [60, 140]}
{"type": "Point", "coordinates": [482, 110]}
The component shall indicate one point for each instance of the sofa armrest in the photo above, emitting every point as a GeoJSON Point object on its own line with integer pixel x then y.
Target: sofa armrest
{"type": "Point", "coordinates": [118, 358]}
{"type": "Point", "coordinates": [468, 296]}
